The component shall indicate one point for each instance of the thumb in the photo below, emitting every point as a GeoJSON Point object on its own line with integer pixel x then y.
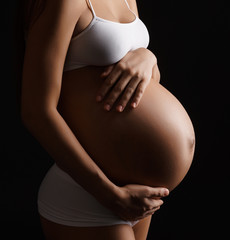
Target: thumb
{"type": "Point", "coordinates": [107, 71]}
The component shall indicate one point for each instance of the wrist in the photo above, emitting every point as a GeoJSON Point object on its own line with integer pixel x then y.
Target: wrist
{"type": "Point", "coordinates": [113, 198]}
{"type": "Point", "coordinates": [104, 190]}
{"type": "Point", "coordinates": [148, 54]}
{"type": "Point", "coordinates": [110, 194]}
{"type": "Point", "coordinates": [152, 57]}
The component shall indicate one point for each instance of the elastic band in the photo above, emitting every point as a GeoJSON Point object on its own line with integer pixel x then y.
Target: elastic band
{"type": "Point", "coordinates": [91, 6]}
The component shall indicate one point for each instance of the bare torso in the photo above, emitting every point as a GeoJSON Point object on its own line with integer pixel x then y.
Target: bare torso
{"type": "Point", "coordinates": [152, 144]}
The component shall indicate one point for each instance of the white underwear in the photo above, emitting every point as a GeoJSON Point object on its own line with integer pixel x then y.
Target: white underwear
{"type": "Point", "coordinates": [62, 200]}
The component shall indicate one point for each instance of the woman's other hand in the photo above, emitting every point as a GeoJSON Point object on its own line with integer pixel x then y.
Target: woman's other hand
{"type": "Point", "coordinates": [134, 202]}
{"type": "Point", "coordinates": [128, 79]}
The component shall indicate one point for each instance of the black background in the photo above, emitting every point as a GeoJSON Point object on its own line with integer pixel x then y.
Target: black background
{"type": "Point", "coordinates": [190, 40]}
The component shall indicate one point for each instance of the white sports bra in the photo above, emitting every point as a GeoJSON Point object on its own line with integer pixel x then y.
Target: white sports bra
{"type": "Point", "coordinates": [104, 42]}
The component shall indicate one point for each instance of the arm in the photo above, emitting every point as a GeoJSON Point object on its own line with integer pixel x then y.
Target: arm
{"type": "Point", "coordinates": [128, 78]}
{"type": "Point", "coordinates": [47, 44]}
{"type": "Point", "coordinates": [46, 48]}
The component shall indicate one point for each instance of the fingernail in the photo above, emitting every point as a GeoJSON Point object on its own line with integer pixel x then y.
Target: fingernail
{"type": "Point", "coordinates": [98, 98]}
{"type": "Point", "coordinates": [107, 107]}
{"type": "Point", "coordinates": [134, 104]}
{"type": "Point", "coordinates": [120, 108]}
{"type": "Point", "coordinates": [166, 192]}
{"type": "Point", "coordinates": [104, 74]}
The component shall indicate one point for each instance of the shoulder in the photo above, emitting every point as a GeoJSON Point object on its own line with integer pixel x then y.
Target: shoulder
{"type": "Point", "coordinates": [66, 5]}
{"type": "Point", "coordinates": [51, 9]}
{"type": "Point", "coordinates": [70, 9]}
{"type": "Point", "coordinates": [59, 12]}
{"type": "Point", "coordinates": [66, 2]}
{"type": "Point", "coordinates": [55, 25]}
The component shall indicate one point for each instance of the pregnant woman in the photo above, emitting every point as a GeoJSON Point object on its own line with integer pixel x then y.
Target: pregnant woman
{"type": "Point", "coordinates": [91, 96]}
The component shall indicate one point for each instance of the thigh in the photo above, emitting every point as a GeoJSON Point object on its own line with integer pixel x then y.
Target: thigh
{"type": "Point", "coordinates": [54, 231]}
{"type": "Point", "coordinates": [141, 228]}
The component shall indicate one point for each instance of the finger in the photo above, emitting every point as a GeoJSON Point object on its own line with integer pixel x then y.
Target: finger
{"type": "Point", "coordinates": [138, 94]}
{"type": "Point", "coordinates": [157, 192]}
{"type": "Point", "coordinates": [150, 203]}
{"type": "Point", "coordinates": [107, 71]}
{"type": "Point", "coordinates": [117, 90]}
{"type": "Point", "coordinates": [128, 93]}
{"type": "Point", "coordinates": [152, 211]}
{"type": "Point", "coordinates": [147, 213]}
{"type": "Point", "coordinates": [108, 83]}
{"type": "Point", "coordinates": [156, 203]}
{"type": "Point", "coordinates": [144, 214]}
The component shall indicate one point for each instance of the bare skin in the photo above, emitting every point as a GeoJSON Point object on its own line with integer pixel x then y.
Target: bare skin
{"type": "Point", "coordinates": [150, 147]}
{"type": "Point", "coordinates": [54, 231]}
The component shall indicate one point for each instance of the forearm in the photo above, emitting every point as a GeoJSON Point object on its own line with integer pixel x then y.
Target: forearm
{"type": "Point", "coordinates": [56, 137]}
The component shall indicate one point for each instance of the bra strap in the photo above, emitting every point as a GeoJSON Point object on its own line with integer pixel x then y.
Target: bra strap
{"type": "Point", "coordinates": [91, 6]}
{"type": "Point", "coordinates": [130, 8]}
{"type": "Point", "coordinates": [128, 5]}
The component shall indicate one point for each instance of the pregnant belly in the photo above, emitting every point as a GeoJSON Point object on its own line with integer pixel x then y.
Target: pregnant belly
{"type": "Point", "coordinates": [152, 144]}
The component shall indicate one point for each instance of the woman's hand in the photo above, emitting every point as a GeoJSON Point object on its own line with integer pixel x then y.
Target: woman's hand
{"type": "Point", "coordinates": [134, 202]}
{"type": "Point", "coordinates": [127, 79]}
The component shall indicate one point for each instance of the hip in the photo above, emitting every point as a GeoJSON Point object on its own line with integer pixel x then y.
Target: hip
{"type": "Point", "coordinates": [63, 201]}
